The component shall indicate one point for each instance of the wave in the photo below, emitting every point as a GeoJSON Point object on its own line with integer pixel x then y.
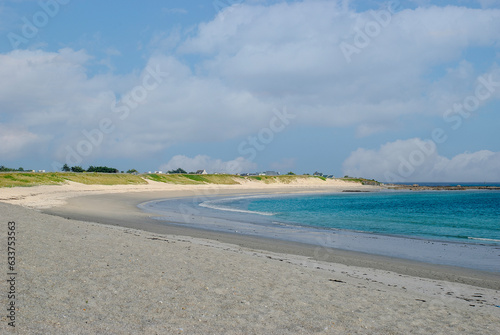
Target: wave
{"type": "Point", "coordinates": [483, 239]}
{"type": "Point", "coordinates": [217, 204]}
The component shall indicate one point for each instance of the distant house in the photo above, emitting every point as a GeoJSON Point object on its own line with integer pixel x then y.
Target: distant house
{"type": "Point", "coordinates": [43, 171]}
{"type": "Point", "coordinates": [271, 173]}
{"type": "Point", "coordinates": [201, 172]}
{"type": "Point", "coordinates": [318, 174]}
{"type": "Point", "coordinates": [158, 172]}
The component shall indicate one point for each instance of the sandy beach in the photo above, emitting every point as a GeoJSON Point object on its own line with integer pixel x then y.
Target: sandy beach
{"type": "Point", "coordinates": [90, 262]}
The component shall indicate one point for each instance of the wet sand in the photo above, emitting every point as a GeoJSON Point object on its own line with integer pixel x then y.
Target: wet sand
{"type": "Point", "coordinates": [122, 210]}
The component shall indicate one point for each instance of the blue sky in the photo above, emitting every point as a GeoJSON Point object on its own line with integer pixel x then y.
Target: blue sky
{"type": "Point", "coordinates": [397, 91]}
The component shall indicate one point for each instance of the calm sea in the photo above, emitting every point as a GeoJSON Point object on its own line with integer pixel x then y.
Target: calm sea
{"type": "Point", "coordinates": [465, 216]}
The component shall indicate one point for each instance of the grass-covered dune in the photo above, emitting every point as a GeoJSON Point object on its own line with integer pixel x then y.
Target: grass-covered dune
{"type": "Point", "coordinates": [223, 179]}
{"type": "Point", "coordinates": [15, 179]}
{"type": "Point", "coordinates": [193, 179]}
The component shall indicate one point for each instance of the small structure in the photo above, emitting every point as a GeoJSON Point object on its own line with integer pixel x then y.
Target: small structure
{"type": "Point", "coordinates": [318, 174]}
{"type": "Point", "coordinates": [158, 172]}
{"type": "Point", "coordinates": [201, 172]}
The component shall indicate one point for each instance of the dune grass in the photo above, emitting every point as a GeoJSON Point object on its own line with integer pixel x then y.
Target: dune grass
{"type": "Point", "coordinates": [105, 178]}
{"type": "Point", "coordinates": [26, 179]}
{"type": "Point", "coordinates": [16, 179]}
{"type": "Point", "coordinates": [221, 179]}
{"type": "Point", "coordinates": [191, 179]}
{"type": "Point", "coordinates": [285, 179]}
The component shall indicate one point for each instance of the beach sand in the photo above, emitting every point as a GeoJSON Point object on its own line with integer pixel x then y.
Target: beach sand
{"type": "Point", "coordinates": [103, 266]}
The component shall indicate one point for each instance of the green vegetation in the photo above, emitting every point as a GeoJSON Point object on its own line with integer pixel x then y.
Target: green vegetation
{"type": "Point", "coordinates": [14, 179]}
{"type": "Point", "coordinates": [77, 169]}
{"type": "Point", "coordinates": [102, 169]}
{"type": "Point", "coordinates": [193, 179]}
{"type": "Point", "coordinates": [104, 178]}
{"type": "Point", "coordinates": [99, 169]}
{"type": "Point", "coordinates": [177, 179]}
{"type": "Point", "coordinates": [179, 171]}
{"type": "Point", "coordinates": [221, 179]}
{"type": "Point", "coordinates": [284, 179]}
{"type": "Point", "coordinates": [6, 169]}
{"type": "Point", "coordinates": [362, 181]}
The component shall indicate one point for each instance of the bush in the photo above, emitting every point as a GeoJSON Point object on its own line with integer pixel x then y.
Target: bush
{"type": "Point", "coordinates": [102, 169]}
{"type": "Point", "coordinates": [77, 169]}
{"type": "Point", "coordinates": [179, 170]}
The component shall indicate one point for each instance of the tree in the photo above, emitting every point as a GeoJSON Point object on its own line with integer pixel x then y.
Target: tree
{"type": "Point", "coordinates": [132, 171]}
{"type": "Point", "coordinates": [102, 169]}
{"type": "Point", "coordinates": [77, 169]}
{"type": "Point", "coordinates": [179, 170]}
{"type": "Point", "coordinates": [291, 173]}
{"type": "Point", "coordinates": [66, 168]}
{"type": "Point", "coordinates": [6, 169]}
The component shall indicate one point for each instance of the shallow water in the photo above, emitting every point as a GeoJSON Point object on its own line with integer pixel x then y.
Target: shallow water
{"type": "Point", "coordinates": [446, 215]}
{"type": "Point", "coordinates": [314, 219]}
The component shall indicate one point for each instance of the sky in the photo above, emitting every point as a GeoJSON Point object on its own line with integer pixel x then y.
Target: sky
{"type": "Point", "coordinates": [398, 91]}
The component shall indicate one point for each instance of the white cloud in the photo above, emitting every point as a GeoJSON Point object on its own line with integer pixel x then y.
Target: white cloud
{"type": "Point", "coordinates": [211, 165]}
{"type": "Point", "coordinates": [15, 141]}
{"type": "Point", "coordinates": [51, 96]}
{"type": "Point", "coordinates": [278, 52]}
{"type": "Point", "coordinates": [257, 59]}
{"type": "Point", "coordinates": [416, 160]}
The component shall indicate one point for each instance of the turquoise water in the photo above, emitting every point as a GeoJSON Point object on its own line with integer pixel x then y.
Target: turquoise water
{"type": "Point", "coordinates": [466, 216]}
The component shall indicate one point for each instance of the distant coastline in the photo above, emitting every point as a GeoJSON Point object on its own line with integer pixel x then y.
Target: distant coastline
{"type": "Point", "coordinates": [443, 186]}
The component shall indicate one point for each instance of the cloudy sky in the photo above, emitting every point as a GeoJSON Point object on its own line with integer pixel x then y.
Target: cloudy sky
{"type": "Point", "coordinates": [397, 91]}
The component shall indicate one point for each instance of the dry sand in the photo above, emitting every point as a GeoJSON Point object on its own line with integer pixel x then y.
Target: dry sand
{"type": "Point", "coordinates": [81, 277]}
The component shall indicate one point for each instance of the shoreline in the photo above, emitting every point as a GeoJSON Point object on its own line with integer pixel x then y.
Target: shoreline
{"type": "Point", "coordinates": [186, 212]}
{"type": "Point", "coordinates": [105, 209]}
{"type": "Point", "coordinates": [105, 266]}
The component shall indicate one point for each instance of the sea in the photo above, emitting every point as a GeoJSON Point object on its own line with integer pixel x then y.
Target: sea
{"type": "Point", "coordinates": [457, 228]}
{"type": "Point", "coordinates": [462, 216]}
